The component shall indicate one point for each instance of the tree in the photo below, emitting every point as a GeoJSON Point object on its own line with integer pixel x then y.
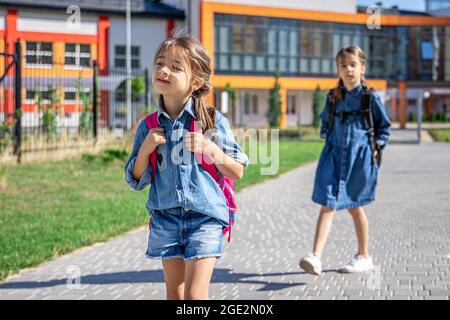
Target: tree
{"type": "Point", "coordinates": [318, 103]}
{"type": "Point", "coordinates": [86, 118]}
{"type": "Point", "coordinates": [47, 103]}
{"type": "Point", "coordinates": [232, 95]}
{"type": "Point", "coordinates": [274, 113]}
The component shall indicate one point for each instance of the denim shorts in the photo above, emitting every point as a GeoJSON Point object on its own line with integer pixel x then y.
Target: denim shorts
{"type": "Point", "coordinates": [187, 234]}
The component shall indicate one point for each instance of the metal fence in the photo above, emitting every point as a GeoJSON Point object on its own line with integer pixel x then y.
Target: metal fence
{"type": "Point", "coordinates": [59, 107]}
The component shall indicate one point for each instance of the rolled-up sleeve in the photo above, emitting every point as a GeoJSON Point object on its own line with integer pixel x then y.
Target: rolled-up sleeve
{"type": "Point", "coordinates": [381, 121]}
{"type": "Point", "coordinates": [224, 138]}
{"type": "Point", "coordinates": [141, 133]}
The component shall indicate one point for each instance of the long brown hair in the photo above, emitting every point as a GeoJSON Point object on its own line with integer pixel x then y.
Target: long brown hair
{"type": "Point", "coordinates": [350, 50]}
{"type": "Point", "coordinates": [199, 64]}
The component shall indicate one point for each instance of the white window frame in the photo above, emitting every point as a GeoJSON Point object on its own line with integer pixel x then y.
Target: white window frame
{"type": "Point", "coordinates": [124, 56]}
{"type": "Point", "coordinates": [71, 89]}
{"type": "Point", "coordinates": [34, 101]}
{"type": "Point", "coordinates": [38, 53]}
{"type": "Point", "coordinates": [77, 55]}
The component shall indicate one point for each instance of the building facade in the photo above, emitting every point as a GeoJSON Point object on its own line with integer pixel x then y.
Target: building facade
{"type": "Point", "coordinates": [61, 39]}
{"type": "Point", "coordinates": [250, 40]}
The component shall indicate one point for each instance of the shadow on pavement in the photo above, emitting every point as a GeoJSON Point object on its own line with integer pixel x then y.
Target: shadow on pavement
{"type": "Point", "coordinates": [220, 275]}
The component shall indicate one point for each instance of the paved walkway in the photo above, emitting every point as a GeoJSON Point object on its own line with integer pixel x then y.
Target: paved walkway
{"type": "Point", "coordinates": [409, 241]}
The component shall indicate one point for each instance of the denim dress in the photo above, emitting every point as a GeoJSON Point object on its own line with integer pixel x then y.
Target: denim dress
{"type": "Point", "coordinates": [346, 175]}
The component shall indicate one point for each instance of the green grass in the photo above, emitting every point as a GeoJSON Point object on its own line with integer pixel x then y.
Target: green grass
{"type": "Point", "coordinates": [292, 154]}
{"type": "Point", "coordinates": [440, 135]}
{"type": "Point", "coordinates": [47, 210]}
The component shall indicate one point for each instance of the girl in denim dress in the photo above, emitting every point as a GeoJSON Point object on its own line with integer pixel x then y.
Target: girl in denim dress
{"type": "Point", "coordinates": [346, 175]}
{"type": "Point", "coordinates": [188, 209]}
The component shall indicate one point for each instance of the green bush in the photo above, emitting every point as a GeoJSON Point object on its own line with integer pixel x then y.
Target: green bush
{"type": "Point", "coordinates": [289, 133]}
{"type": "Point", "coordinates": [86, 124]}
{"type": "Point", "coordinates": [107, 156]}
{"type": "Point", "coordinates": [432, 117]}
{"type": "Point", "coordinates": [5, 136]}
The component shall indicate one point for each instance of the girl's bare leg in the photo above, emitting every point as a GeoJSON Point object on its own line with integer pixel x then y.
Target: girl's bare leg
{"type": "Point", "coordinates": [174, 276]}
{"type": "Point", "coordinates": [198, 277]}
{"type": "Point", "coordinates": [362, 230]}
{"type": "Point", "coordinates": [322, 229]}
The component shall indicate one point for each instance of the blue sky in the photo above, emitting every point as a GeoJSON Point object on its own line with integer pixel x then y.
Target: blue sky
{"type": "Point", "coordinates": [415, 5]}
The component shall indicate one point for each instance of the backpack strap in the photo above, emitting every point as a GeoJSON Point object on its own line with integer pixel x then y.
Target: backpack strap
{"type": "Point", "coordinates": [366, 111]}
{"type": "Point", "coordinates": [204, 160]}
{"type": "Point", "coordinates": [152, 122]}
{"type": "Point", "coordinates": [225, 184]}
{"type": "Point", "coordinates": [331, 110]}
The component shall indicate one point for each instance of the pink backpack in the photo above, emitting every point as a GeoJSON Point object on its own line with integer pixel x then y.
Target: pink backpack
{"type": "Point", "coordinates": [225, 184]}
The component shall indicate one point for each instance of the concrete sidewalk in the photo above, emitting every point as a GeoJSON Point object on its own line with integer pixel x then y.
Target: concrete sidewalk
{"type": "Point", "coordinates": [409, 241]}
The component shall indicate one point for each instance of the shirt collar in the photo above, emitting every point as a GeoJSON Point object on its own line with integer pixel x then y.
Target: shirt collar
{"type": "Point", "coordinates": [355, 91]}
{"type": "Point", "coordinates": [188, 107]}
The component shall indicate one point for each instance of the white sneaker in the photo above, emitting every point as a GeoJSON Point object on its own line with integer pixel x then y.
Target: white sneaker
{"type": "Point", "coordinates": [358, 264]}
{"type": "Point", "coordinates": [311, 264]}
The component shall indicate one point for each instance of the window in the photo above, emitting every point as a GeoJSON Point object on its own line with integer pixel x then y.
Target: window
{"type": "Point", "coordinates": [77, 55]}
{"type": "Point", "coordinates": [120, 60]}
{"type": "Point", "coordinates": [272, 36]}
{"type": "Point", "coordinates": [315, 65]}
{"type": "Point", "coordinates": [250, 41]}
{"type": "Point", "coordinates": [426, 50]}
{"type": "Point", "coordinates": [248, 63]}
{"type": "Point", "coordinates": [235, 62]}
{"type": "Point", "coordinates": [260, 63]}
{"type": "Point", "coordinates": [304, 65]}
{"type": "Point", "coordinates": [292, 108]}
{"type": "Point", "coordinates": [39, 53]}
{"type": "Point", "coordinates": [223, 62]}
{"type": "Point", "coordinates": [246, 103]}
{"type": "Point", "coordinates": [70, 94]}
{"type": "Point", "coordinates": [32, 96]}
{"type": "Point", "coordinates": [282, 42]}
{"type": "Point", "coordinates": [255, 104]}
{"type": "Point", "coordinates": [224, 39]}
{"type": "Point", "coordinates": [326, 66]}
{"type": "Point", "coordinates": [237, 38]}
{"type": "Point", "coordinates": [293, 46]}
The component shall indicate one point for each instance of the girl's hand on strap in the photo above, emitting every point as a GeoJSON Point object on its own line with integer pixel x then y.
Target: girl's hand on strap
{"type": "Point", "coordinates": [154, 138]}
{"type": "Point", "coordinates": [196, 142]}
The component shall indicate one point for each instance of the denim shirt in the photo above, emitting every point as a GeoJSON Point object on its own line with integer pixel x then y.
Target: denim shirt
{"type": "Point", "coordinates": [179, 180]}
{"type": "Point", "coordinates": [346, 175]}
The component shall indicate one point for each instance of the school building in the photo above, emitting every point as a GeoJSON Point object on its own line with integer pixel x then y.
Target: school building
{"type": "Point", "coordinates": [61, 39]}
{"type": "Point", "coordinates": [250, 40]}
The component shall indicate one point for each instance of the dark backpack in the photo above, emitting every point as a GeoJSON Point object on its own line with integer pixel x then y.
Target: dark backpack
{"type": "Point", "coordinates": [365, 111]}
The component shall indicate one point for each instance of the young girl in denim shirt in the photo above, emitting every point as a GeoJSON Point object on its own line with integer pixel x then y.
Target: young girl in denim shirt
{"type": "Point", "coordinates": [347, 172]}
{"type": "Point", "coordinates": [188, 209]}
